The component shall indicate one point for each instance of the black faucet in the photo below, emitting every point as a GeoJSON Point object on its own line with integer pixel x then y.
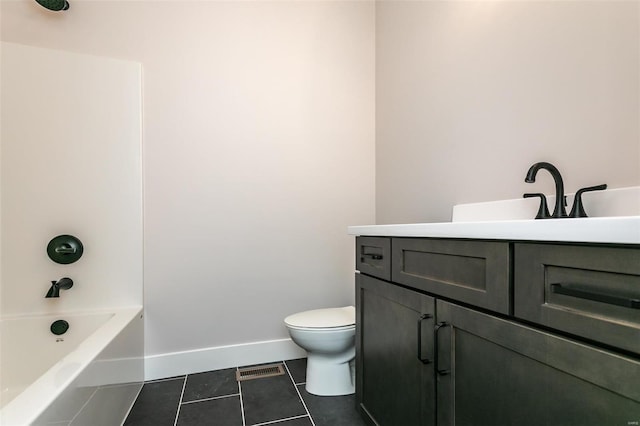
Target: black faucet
{"type": "Point", "coordinates": [559, 210]}
{"type": "Point", "coordinates": [56, 286]}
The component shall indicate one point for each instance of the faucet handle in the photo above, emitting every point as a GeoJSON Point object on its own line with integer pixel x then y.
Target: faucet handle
{"type": "Point", "coordinates": [578, 209]}
{"type": "Point", "coordinates": [543, 210]}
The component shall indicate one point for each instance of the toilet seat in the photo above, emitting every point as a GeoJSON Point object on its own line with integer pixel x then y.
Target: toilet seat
{"type": "Point", "coordinates": [323, 319]}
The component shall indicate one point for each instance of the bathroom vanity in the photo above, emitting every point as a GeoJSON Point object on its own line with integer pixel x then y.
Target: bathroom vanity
{"type": "Point", "coordinates": [499, 323]}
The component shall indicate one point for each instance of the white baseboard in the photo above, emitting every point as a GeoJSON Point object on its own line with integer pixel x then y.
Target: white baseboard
{"type": "Point", "coordinates": [216, 358]}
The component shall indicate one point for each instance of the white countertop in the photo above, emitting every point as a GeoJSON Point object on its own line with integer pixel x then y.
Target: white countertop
{"type": "Point", "coordinates": [616, 230]}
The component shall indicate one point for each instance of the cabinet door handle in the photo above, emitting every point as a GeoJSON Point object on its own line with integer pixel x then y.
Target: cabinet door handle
{"type": "Point", "coordinates": [567, 290]}
{"type": "Point", "coordinates": [442, 372]}
{"type": "Point", "coordinates": [422, 317]}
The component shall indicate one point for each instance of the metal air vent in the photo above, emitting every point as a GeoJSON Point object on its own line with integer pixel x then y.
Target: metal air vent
{"type": "Point", "coordinates": [259, 372]}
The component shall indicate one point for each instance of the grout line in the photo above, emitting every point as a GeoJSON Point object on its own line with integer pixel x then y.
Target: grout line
{"type": "Point", "coordinates": [210, 399]}
{"type": "Point", "coordinates": [184, 384]}
{"type": "Point", "coordinates": [272, 422]}
{"type": "Point", "coordinates": [298, 392]}
{"type": "Point", "coordinates": [241, 403]}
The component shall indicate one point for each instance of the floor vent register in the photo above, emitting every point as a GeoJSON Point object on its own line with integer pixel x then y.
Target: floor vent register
{"type": "Point", "coordinates": [259, 372]}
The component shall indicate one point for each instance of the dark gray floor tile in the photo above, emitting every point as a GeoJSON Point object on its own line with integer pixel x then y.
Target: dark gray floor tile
{"type": "Point", "coordinates": [270, 398]}
{"type": "Point", "coordinates": [301, 421]}
{"type": "Point", "coordinates": [216, 412]}
{"type": "Point", "coordinates": [157, 404]}
{"type": "Point", "coordinates": [332, 410]}
{"type": "Point", "coordinates": [210, 384]}
{"type": "Point", "coordinates": [298, 369]}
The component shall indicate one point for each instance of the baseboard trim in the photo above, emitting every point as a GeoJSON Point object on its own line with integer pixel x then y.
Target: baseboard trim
{"type": "Point", "coordinates": [215, 358]}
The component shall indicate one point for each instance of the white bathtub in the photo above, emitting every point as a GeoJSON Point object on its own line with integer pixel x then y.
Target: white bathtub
{"type": "Point", "coordinates": [89, 375]}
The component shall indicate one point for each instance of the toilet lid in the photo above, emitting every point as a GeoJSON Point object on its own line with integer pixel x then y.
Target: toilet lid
{"type": "Point", "coordinates": [323, 318]}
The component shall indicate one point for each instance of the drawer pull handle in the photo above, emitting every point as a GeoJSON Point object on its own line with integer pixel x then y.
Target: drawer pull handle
{"type": "Point", "coordinates": [422, 317]}
{"type": "Point", "coordinates": [627, 302]}
{"type": "Point", "coordinates": [372, 256]}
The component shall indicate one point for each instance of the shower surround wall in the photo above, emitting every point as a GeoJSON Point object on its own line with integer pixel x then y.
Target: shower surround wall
{"type": "Point", "coordinates": [70, 164]}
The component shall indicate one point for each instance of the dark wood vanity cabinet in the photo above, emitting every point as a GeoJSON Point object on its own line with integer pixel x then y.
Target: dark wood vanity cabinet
{"type": "Point", "coordinates": [425, 358]}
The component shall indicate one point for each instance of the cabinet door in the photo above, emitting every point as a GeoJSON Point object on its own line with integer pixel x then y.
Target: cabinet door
{"type": "Point", "coordinates": [394, 354]}
{"type": "Point", "coordinates": [497, 372]}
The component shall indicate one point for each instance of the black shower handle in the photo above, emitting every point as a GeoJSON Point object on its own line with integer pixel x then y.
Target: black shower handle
{"type": "Point", "coordinates": [65, 249]}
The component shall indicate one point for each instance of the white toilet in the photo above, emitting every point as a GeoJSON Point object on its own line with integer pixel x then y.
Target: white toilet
{"type": "Point", "coordinates": [328, 336]}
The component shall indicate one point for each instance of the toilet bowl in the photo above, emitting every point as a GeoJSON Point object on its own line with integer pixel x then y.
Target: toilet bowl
{"type": "Point", "coordinates": [328, 336]}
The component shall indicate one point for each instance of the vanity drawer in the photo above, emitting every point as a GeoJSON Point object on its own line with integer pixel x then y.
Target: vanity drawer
{"type": "Point", "coordinates": [373, 256]}
{"type": "Point", "coordinates": [474, 272]}
{"type": "Point", "coordinates": [593, 292]}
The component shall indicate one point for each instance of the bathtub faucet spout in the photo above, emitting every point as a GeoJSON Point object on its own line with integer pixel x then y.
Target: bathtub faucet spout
{"type": "Point", "coordinates": [56, 286]}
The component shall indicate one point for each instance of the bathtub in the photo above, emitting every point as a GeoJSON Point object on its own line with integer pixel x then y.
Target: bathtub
{"type": "Point", "coordinates": [89, 375]}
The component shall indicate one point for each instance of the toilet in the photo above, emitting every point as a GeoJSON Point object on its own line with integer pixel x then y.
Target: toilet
{"type": "Point", "coordinates": [328, 336]}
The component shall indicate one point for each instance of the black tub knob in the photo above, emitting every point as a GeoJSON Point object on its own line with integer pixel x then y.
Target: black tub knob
{"type": "Point", "coordinates": [65, 249]}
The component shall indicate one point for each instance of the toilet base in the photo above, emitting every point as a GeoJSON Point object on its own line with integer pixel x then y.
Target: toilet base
{"type": "Point", "coordinates": [327, 376]}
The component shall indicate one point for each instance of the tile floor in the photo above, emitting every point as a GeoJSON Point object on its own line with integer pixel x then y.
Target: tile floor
{"type": "Point", "coordinates": [215, 398]}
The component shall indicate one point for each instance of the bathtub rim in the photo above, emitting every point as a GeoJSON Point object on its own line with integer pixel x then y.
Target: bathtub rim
{"type": "Point", "coordinates": [46, 389]}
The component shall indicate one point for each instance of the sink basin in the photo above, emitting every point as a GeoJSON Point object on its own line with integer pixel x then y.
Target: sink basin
{"type": "Point", "coordinates": [615, 230]}
{"type": "Point", "coordinates": [616, 220]}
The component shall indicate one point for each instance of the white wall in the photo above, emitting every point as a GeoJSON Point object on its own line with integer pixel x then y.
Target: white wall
{"type": "Point", "coordinates": [71, 164]}
{"type": "Point", "coordinates": [470, 94]}
{"type": "Point", "coordinates": [259, 151]}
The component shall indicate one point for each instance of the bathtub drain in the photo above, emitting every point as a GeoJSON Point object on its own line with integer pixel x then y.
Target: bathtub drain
{"type": "Point", "coordinates": [259, 372]}
{"type": "Point", "coordinates": [59, 327]}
